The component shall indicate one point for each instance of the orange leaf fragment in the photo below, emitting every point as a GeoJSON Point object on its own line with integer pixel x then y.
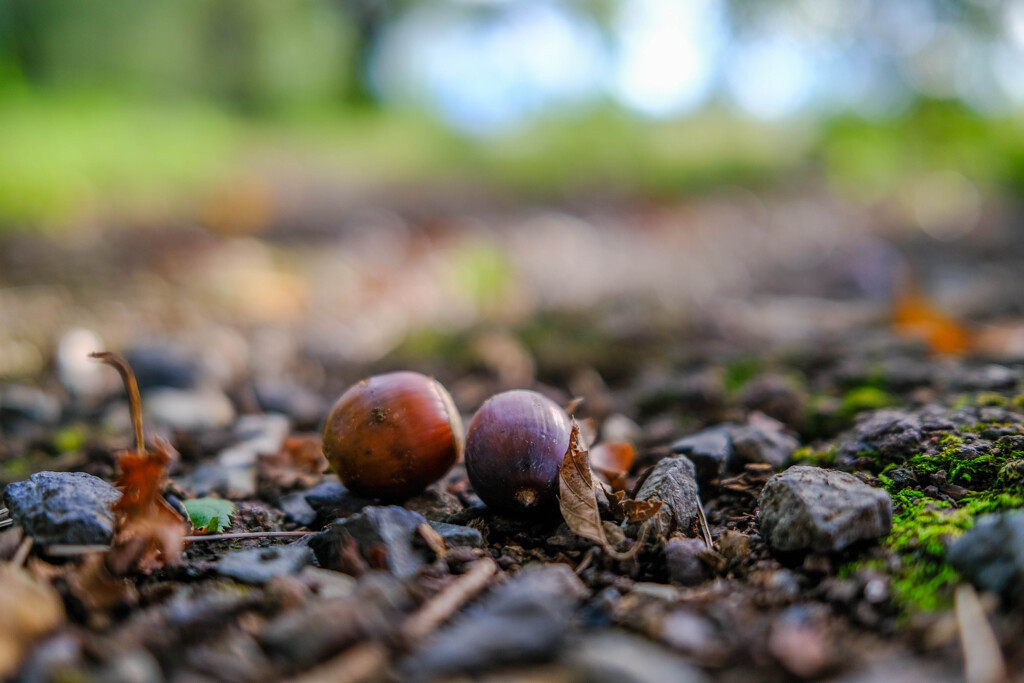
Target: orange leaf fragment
{"type": "Point", "coordinates": [612, 460]}
{"type": "Point", "coordinates": [914, 316]}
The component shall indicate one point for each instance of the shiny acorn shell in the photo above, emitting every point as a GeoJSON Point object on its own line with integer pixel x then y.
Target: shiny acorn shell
{"type": "Point", "coordinates": [514, 447]}
{"type": "Point", "coordinates": [392, 435]}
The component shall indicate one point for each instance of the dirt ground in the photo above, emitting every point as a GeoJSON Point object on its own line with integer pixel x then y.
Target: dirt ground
{"type": "Point", "coordinates": [843, 338]}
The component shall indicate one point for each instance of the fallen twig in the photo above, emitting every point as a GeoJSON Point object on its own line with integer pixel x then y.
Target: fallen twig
{"type": "Point", "coordinates": [362, 662]}
{"type": "Point", "coordinates": [249, 534]}
{"type": "Point", "coordinates": [440, 608]}
{"type": "Point", "coordinates": [703, 521]}
{"type": "Point", "coordinates": [22, 553]}
{"type": "Point", "coordinates": [983, 660]}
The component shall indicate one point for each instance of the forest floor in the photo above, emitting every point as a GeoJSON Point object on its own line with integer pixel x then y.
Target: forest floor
{"type": "Point", "coordinates": [791, 331]}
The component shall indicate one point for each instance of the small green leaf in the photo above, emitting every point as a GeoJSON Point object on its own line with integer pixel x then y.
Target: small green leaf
{"type": "Point", "coordinates": [210, 515]}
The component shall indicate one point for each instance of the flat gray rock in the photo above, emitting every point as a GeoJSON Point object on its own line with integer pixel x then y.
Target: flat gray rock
{"type": "Point", "coordinates": [456, 534]}
{"type": "Point", "coordinates": [820, 510]}
{"type": "Point", "coordinates": [64, 508]}
{"type": "Point", "coordinates": [259, 565]}
{"type": "Point", "coordinates": [384, 536]}
{"type": "Point", "coordinates": [618, 657]}
{"type": "Point", "coordinates": [522, 621]}
{"type": "Point", "coordinates": [991, 555]}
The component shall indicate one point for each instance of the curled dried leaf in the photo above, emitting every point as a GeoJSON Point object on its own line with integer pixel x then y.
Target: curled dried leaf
{"type": "Point", "coordinates": [148, 532]}
{"type": "Point", "coordinates": [578, 501]}
{"type": "Point", "coordinates": [633, 511]}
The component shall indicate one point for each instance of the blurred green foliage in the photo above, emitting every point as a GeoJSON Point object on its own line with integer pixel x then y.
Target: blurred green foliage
{"type": "Point", "coordinates": [120, 105]}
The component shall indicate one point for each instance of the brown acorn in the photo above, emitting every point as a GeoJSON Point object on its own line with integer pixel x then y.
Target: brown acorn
{"type": "Point", "coordinates": [392, 435]}
{"type": "Point", "coordinates": [514, 447]}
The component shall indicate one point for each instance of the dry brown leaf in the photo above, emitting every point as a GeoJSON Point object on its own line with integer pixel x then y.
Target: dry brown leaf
{"type": "Point", "coordinates": [612, 460]}
{"type": "Point", "coordinates": [578, 501]}
{"type": "Point", "coordinates": [148, 532]}
{"type": "Point", "coordinates": [301, 463]}
{"type": "Point", "coordinates": [95, 587]}
{"type": "Point", "coordinates": [29, 609]}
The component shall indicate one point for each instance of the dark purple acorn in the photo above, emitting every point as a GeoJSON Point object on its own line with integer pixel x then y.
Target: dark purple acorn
{"type": "Point", "coordinates": [514, 446]}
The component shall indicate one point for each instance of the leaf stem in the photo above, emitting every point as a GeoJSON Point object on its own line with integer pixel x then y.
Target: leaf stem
{"type": "Point", "coordinates": [132, 387]}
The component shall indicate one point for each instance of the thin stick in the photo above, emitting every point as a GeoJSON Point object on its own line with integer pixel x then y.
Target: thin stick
{"type": "Point", "coordinates": [442, 606]}
{"type": "Point", "coordinates": [632, 552]}
{"type": "Point", "coordinates": [22, 553]}
{"type": "Point", "coordinates": [704, 529]}
{"type": "Point", "coordinates": [72, 550]}
{"type": "Point", "coordinates": [250, 534]}
{"type": "Point", "coordinates": [4, 512]}
{"type": "Point", "coordinates": [6, 523]}
{"type": "Point", "coordinates": [983, 660]}
{"type": "Point", "coordinates": [132, 386]}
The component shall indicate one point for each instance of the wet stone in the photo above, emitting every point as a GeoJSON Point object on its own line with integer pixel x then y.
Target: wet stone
{"type": "Point", "coordinates": [458, 535]}
{"type": "Point", "coordinates": [524, 620]}
{"type": "Point", "coordinates": [810, 508]}
{"type": "Point", "coordinates": [672, 481]}
{"type": "Point", "coordinates": [259, 565]}
{"type": "Point", "coordinates": [384, 536]}
{"type": "Point", "coordinates": [709, 450]}
{"type": "Point", "coordinates": [991, 555]}
{"type": "Point", "coordinates": [58, 508]}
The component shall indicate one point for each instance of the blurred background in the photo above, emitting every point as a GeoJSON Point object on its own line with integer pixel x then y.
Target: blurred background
{"type": "Point", "coordinates": [343, 180]}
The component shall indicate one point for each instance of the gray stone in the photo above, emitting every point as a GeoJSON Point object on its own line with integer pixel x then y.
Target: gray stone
{"type": "Point", "coordinates": [383, 534]}
{"type": "Point", "coordinates": [991, 555]}
{"type": "Point", "coordinates": [763, 440]}
{"type": "Point", "coordinates": [305, 408]}
{"type": "Point", "coordinates": [28, 403]}
{"type": "Point", "coordinates": [259, 565]}
{"type": "Point", "coordinates": [617, 657]}
{"type": "Point", "coordinates": [810, 508]}
{"type": "Point", "coordinates": [673, 482]}
{"type": "Point", "coordinates": [892, 433]}
{"type": "Point", "coordinates": [456, 534]}
{"type": "Point", "coordinates": [522, 621]}
{"type": "Point", "coordinates": [709, 450]}
{"type": "Point", "coordinates": [189, 410]}
{"type": "Point", "coordinates": [58, 508]}
{"type": "Point", "coordinates": [297, 508]}
{"type": "Point", "coordinates": [682, 559]}
{"type": "Point", "coordinates": [164, 365]}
